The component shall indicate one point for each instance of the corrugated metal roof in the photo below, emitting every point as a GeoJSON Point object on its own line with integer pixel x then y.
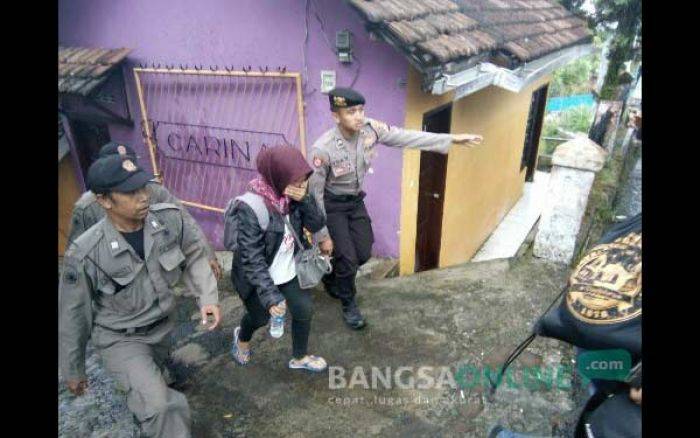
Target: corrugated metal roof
{"type": "Point", "coordinates": [81, 70]}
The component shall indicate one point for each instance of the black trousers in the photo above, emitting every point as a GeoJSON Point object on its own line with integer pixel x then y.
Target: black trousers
{"type": "Point", "coordinates": [299, 304]}
{"type": "Point", "coordinates": [350, 228]}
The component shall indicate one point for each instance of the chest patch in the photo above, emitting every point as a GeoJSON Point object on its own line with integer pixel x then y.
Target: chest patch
{"type": "Point", "coordinates": [342, 167]}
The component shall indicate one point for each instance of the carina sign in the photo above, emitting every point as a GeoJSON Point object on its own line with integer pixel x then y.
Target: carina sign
{"type": "Point", "coordinates": [217, 146]}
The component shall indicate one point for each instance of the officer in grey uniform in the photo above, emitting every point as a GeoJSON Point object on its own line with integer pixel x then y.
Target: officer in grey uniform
{"type": "Point", "coordinates": [340, 159]}
{"type": "Point", "coordinates": [87, 211]}
{"type": "Point", "coordinates": [117, 289]}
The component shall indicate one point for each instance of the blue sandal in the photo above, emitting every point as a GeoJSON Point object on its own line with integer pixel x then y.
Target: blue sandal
{"type": "Point", "coordinates": [238, 355]}
{"type": "Point", "coordinates": [310, 363]}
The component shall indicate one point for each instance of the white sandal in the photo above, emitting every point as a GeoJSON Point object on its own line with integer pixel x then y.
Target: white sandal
{"type": "Point", "coordinates": [310, 363]}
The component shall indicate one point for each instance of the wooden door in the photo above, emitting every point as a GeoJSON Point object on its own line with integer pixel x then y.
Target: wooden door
{"type": "Point", "coordinates": [431, 193]}
{"type": "Point", "coordinates": [532, 132]}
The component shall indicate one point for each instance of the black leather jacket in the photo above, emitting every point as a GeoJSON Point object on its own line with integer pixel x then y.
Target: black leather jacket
{"type": "Point", "coordinates": [257, 249]}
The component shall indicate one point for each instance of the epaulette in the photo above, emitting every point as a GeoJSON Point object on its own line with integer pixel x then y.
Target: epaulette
{"type": "Point", "coordinates": [169, 214]}
{"type": "Point", "coordinates": [325, 141]}
{"type": "Point", "coordinates": [82, 246]}
{"type": "Point", "coordinates": [163, 206]}
{"type": "Point", "coordinates": [86, 199]}
{"type": "Point", "coordinates": [159, 194]}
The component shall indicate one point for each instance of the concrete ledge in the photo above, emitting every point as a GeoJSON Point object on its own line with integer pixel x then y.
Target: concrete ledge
{"type": "Point", "coordinates": [580, 153]}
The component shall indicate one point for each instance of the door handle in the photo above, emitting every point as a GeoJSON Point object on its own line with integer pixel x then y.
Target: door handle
{"type": "Point", "coordinates": [430, 195]}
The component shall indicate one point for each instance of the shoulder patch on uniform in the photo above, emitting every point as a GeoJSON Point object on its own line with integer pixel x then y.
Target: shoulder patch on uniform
{"type": "Point", "coordinates": [70, 274]}
{"type": "Point", "coordinates": [379, 128]}
{"type": "Point", "coordinates": [318, 153]}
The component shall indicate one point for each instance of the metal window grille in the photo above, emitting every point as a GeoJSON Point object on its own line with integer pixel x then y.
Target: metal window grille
{"type": "Point", "coordinates": [205, 128]}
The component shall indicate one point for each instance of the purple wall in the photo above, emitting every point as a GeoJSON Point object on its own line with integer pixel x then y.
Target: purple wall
{"type": "Point", "coordinates": [255, 32]}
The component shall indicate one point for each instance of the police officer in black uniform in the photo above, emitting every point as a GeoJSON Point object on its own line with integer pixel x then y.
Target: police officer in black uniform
{"type": "Point", "coordinates": [341, 157]}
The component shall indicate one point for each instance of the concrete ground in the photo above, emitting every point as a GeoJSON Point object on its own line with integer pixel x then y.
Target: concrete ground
{"type": "Point", "coordinates": [464, 318]}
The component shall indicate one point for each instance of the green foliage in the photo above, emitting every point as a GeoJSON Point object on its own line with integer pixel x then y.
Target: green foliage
{"type": "Point", "coordinates": [575, 77]}
{"type": "Point", "coordinates": [600, 210]}
{"type": "Point", "coordinates": [573, 5]}
{"type": "Point", "coordinates": [627, 16]}
{"type": "Point", "coordinates": [576, 119]}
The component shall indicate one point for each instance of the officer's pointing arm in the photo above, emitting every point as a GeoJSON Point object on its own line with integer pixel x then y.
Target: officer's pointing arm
{"type": "Point", "coordinates": [320, 162]}
{"type": "Point", "coordinates": [197, 275]}
{"type": "Point", "coordinates": [75, 318]}
{"type": "Point", "coordinates": [407, 138]}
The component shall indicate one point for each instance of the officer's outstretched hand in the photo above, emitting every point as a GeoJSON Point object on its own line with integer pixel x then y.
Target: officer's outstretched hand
{"type": "Point", "coordinates": [467, 139]}
{"type": "Point", "coordinates": [211, 309]}
{"type": "Point", "coordinates": [77, 386]}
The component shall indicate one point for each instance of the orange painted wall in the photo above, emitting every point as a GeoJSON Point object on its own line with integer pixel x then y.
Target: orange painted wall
{"type": "Point", "coordinates": [483, 183]}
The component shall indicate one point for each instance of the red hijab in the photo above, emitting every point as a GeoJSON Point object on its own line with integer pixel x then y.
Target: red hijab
{"type": "Point", "coordinates": [279, 166]}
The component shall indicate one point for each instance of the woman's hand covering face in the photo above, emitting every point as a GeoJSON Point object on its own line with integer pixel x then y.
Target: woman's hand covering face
{"type": "Point", "coordinates": [296, 191]}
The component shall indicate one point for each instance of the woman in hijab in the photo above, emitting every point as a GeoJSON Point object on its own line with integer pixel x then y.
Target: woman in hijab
{"type": "Point", "coordinates": [263, 271]}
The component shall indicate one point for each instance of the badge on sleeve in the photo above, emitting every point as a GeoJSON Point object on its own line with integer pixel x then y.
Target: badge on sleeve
{"type": "Point", "coordinates": [380, 128]}
{"type": "Point", "coordinates": [70, 275]}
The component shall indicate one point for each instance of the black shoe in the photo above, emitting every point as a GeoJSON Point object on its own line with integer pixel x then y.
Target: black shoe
{"type": "Point", "coordinates": [331, 291]}
{"type": "Point", "coordinates": [493, 433]}
{"type": "Point", "coordinates": [352, 316]}
{"type": "Point", "coordinates": [172, 378]}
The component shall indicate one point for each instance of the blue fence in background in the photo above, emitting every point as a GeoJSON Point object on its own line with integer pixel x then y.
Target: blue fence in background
{"type": "Point", "coordinates": [565, 102]}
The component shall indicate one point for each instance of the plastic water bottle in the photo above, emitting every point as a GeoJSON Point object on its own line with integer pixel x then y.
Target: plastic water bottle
{"type": "Point", "coordinates": [277, 323]}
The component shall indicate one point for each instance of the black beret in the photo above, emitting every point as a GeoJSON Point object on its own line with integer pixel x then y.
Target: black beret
{"type": "Point", "coordinates": [115, 173]}
{"type": "Point", "coordinates": [114, 148]}
{"type": "Point", "coordinates": [344, 98]}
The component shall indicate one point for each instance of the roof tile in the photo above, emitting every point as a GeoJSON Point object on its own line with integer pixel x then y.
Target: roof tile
{"type": "Point", "coordinates": [453, 29]}
{"type": "Point", "coordinates": [81, 70]}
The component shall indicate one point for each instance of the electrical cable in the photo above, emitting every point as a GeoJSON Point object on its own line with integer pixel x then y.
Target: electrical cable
{"type": "Point", "coordinates": [305, 76]}
{"type": "Point", "coordinates": [357, 73]}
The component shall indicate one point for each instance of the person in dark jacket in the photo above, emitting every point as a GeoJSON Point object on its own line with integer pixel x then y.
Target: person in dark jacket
{"type": "Point", "coordinates": [263, 271]}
